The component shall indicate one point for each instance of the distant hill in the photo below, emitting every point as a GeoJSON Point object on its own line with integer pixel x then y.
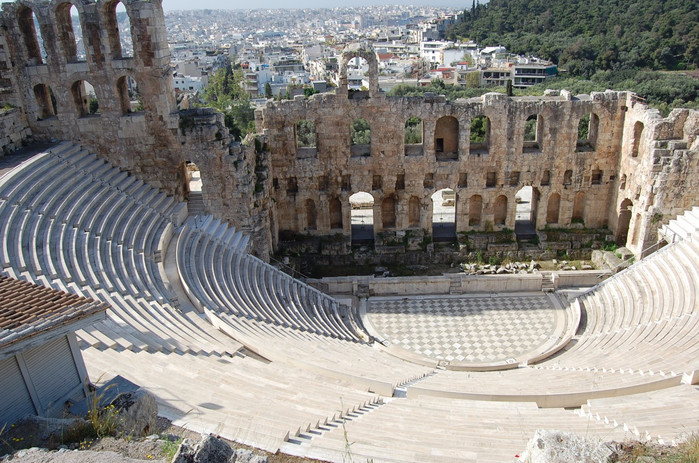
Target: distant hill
{"type": "Point", "coordinates": [584, 36]}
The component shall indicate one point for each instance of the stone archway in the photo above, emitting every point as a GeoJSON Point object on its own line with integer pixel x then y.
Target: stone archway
{"type": "Point", "coordinates": [362, 217]}
{"type": "Point", "coordinates": [622, 227]}
{"type": "Point", "coordinates": [367, 53]}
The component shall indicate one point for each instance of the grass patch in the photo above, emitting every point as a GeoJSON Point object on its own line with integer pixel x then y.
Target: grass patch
{"type": "Point", "coordinates": [169, 448]}
{"type": "Point", "coordinates": [637, 452]}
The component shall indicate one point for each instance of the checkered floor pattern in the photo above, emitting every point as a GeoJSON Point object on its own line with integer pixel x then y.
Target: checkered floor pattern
{"type": "Point", "coordinates": [465, 329]}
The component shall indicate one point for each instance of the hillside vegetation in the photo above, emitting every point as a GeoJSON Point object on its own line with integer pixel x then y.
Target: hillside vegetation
{"type": "Point", "coordinates": [586, 36]}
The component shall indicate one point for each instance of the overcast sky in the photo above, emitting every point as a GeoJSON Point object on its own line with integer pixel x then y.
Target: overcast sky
{"type": "Point", "coordinates": [236, 4]}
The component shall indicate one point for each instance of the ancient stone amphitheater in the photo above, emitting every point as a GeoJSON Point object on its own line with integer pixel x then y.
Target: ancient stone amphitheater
{"type": "Point", "coordinates": [231, 345]}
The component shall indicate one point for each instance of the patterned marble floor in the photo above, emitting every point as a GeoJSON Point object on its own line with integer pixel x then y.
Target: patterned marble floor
{"type": "Point", "coordinates": [466, 329]}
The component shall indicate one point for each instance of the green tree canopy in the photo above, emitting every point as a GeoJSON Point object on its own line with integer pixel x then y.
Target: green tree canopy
{"type": "Point", "coordinates": [587, 36]}
{"type": "Point", "coordinates": [225, 93]}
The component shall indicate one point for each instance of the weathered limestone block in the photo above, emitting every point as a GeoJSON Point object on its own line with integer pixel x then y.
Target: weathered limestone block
{"type": "Point", "coordinates": [564, 447]}
{"type": "Point", "coordinates": [137, 412]}
{"type": "Point", "coordinates": [209, 449]}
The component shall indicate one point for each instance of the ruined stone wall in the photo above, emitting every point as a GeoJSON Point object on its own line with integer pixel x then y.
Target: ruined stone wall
{"type": "Point", "coordinates": [153, 143]}
{"type": "Point", "coordinates": [633, 171]}
{"type": "Point", "coordinates": [658, 172]}
{"type": "Point", "coordinates": [235, 184]}
{"type": "Point", "coordinates": [393, 170]}
{"type": "Point", "coordinates": [13, 131]}
{"type": "Point", "coordinates": [54, 102]}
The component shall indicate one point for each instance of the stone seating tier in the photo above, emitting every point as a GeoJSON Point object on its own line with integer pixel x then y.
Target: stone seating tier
{"type": "Point", "coordinates": [285, 358]}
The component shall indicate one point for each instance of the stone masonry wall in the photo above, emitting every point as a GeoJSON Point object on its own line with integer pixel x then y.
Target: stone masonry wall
{"type": "Point", "coordinates": [658, 172]}
{"type": "Point", "coordinates": [392, 170]}
{"type": "Point", "coordinates": [634, 170]}
{"type": "Point", "coordinates": [154, 143]}
{"type": "Point", "coordinates": [13, 131]}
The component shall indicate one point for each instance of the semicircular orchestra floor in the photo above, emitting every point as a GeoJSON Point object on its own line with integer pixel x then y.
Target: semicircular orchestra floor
{"type": "Point", "coordinates": [477, 329]}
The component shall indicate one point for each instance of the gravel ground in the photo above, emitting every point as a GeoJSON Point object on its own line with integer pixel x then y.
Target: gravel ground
{"type": "Point", "coordinates": [25, 442]}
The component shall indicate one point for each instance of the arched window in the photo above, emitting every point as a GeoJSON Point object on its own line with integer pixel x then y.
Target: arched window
{"type": "Point", "coordinates": [68, 22]}
{"type": "Point", "coordinates": [413, 137]}
{"type": "Point", "coordinates": [533, 133]}
{"type": "Point", "coordinates": [553, 208]}
{"type": "Point", "coordinates": [546, 178]}
{"type": "Point", "coordinates": [414, 212]}
{"type": "Point", "coordinates": [587, 132]}
{"type": "Point", "coordinates": [622, 182]}
{"type": "Point", "coordinates": [305, 134]}
{"type": "Point", "coordinates": [46, 101]}
{"type": "Point", "coordinates": [118, 28]}
{"type": "Point", "coordinates": [475, 210]}
{"type": "Point", "coordinates": [480, 135]}
{"type": "Point", "coordinates": [568, 177]}
{"type": "Point", "coordinates": [637, 132]}
{"type": "Point", "coordinates": [311, 215]}
{"type": "Point", "coordinates": [129, 97]}
{"type": "Point", "coordinates": [500, 210]}
{"type": "Point", "coordinates": [335, 213]}
{"type": "Point", "coordinates": [446, 138]}
{"type": "Point", "coordinates": [84, 97]}
{"type": "Point", "coordinates": [388, 212]}
{"type": "Point", "coordinates": [579, 208]}
{"type": "Point", "coordinates": [33, 42]}
{"type": "Point", "coordinates": [360, 137]}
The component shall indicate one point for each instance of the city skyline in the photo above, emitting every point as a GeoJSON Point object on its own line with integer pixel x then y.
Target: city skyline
{"type": "Point", "coordinates": [171, 5]}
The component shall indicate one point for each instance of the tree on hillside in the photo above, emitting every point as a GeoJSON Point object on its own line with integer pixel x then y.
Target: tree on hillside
{"type": "Point", "coordinates": [584, 37]}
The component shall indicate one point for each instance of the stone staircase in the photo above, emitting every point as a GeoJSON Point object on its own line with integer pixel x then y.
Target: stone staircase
{"type": "Point", "coordinates": [682, 227]}
{"type": "Point", "coordinates": [196, 203]}
{"type": "Point", "coordinates": [547, 284]}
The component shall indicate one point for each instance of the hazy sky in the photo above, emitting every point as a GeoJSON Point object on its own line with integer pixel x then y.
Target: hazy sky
{"type": "Point", "coordinates": [237, 4]}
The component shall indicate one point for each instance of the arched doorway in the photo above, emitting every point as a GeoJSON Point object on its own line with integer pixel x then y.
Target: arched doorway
{"type": "Point", "coordinates": [526, 205]}
{"type": "Point", "coordinates": [388, 212]}
{"type": "Point", "coordinates": [414, 212]}
{"type": "Point", "coordinates": [311, 215]}
{"type": "Point", "coordinates": [475, 210]}
{"type": "Point", "coordinates": [362, 217]}
{"type": "Point", "coordinates": [553, 208]}
{"type": "Point", "coordinates": [500, 210]}
{"type": "Point", "coordinates": [579, 208]}
{"type": "Point", "coordinates": [444, 215]}
{"type": "Point", "coordinates": [622, 228]}
{"type": "Point", "coordinates": [335, 212]}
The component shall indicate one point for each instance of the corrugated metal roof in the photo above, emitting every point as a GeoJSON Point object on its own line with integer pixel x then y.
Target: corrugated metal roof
{"type": "Point", "coordinates": [27, 309]}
